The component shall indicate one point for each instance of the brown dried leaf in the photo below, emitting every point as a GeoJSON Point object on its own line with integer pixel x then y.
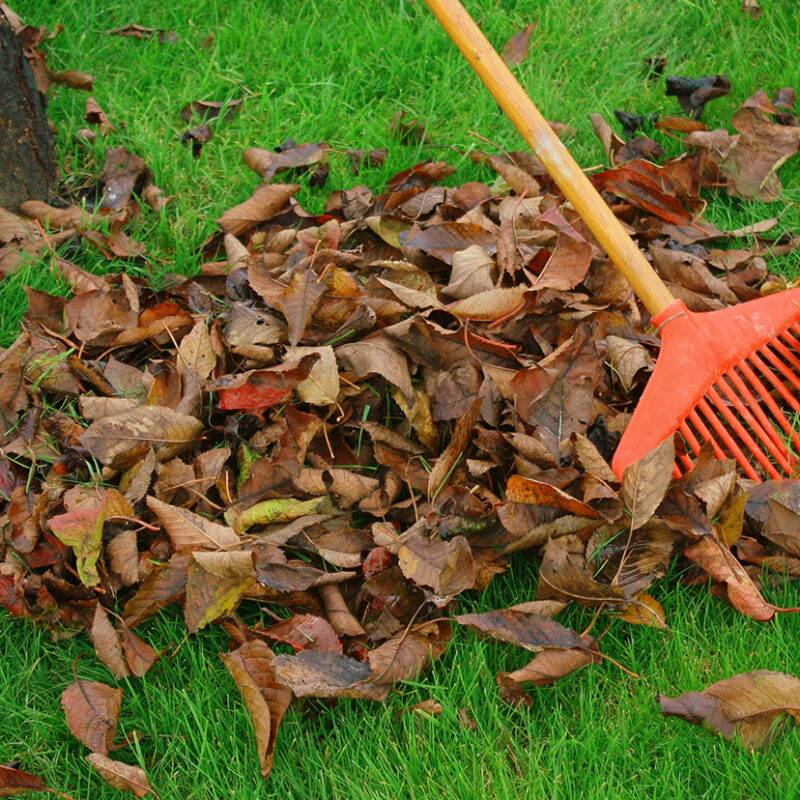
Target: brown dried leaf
{"type": "Point", "coordinates": [305, 632]}
{"type": "Point", "coordinates": [164, 584]}
{"type": "Point", "coordinates": [557, 395]}
{"type": "Point", "coordinates": [516, 48]}
{"type": "Point", "coordinates": [409, 652]}
{"type": "Point", "coordinates": [107, 644]}
{"type": "Point", "coordinates": [762, 146]}
{"type": "Point", "coordinates": [312, 673]}
{"type": "Point", "coordinates": [121, 776]}
{"type": "Point", "coordinates": [252, 667]}
{"type": "Point", "coordinates": [92, 711]}
{"type": "Point", "coordinates": [490, 305]}
{"type": "Point", "coordinates": [747, 705]}
{"type": "Point", "coordinates": [267, 163]}
{"type": "Point", "coordinates": [721, 565]}
{"type": "Point", "coordinates": [527, 625]}
{"type": "Point", "coordinates": [123, 438]}
{"type": "Point", "coordinates": [447, 567]}
{"type": "Point", "coordinates": [138, 32]}
{"type": "Point", "coordinates": [645, 483]}
{"type": "Point", "coordinates": [627, 358]}
{"type": "Point", "coordinates": [525, 490]}
{"type": "Point", "coordinates": [546, 668]}
{"type": "Point", "coordinates": [15, 781]}
{"type": "Point", "coordinates": [139, 655]}
{"type": "Point", "coordinates": [215, 585]}
{"type": "Point", "coordinates": [196, 351]}
{"type": "Point", "coordinates": [189, 531]}
{"type": "Point", "coordinates": [567, 266]}
{"type": "Point", "coordinates": [96, 116]}
{"type": "Point", "coordinates": [265, 202]}
{"type": "Point", "coordinates": [377, 356]}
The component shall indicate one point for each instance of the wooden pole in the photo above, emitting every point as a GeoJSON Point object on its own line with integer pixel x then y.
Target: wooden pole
{"type": "Point", "coordinates": [536, 131]}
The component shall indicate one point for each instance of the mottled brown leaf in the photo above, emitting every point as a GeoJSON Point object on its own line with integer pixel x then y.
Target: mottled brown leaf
{"type": "Point", "coordinates": [252, 667]}
{"type": "Point", "coordinates": [92, 711]}
{"type": "Point", "coordinates": [747, 705]}
{"type": "Point", "coordinates": [124, 777]}
{"type": "Point", "coordinates": [122, 438]}
{"type": "Point", "coordinates": [645, 483]}
{"type": "Point", "coordinates": [312, 673]}
{"type": "Point", "coordinates": [189, 531]}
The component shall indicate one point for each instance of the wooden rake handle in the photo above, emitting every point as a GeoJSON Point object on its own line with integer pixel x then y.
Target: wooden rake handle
{"type": "Point", "coordinates": [569, 177]}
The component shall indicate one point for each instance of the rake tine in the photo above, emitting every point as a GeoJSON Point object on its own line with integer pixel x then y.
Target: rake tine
{"type": "Point", "coordinates": [742, 433]}
{"type": "Point", "coordinates": [755, 425]}
{"type": "Point", "coordinates": [728, 440]}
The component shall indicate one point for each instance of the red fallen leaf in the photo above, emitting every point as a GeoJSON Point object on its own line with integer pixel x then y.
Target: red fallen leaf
{"type": "Point", "coordinates": [378, 560]}
{"type": "Point", "coordinates": [636, 182]}
{"type": "Point", "coordinates": [423, 174]}
{"type": "Point", "coordinates": [16, 781]}
{"type": "Point", "coordinates": [259, 389]}
{"type": "Point", "coordinates": [11, 596]}
{"type": "Point", "coordinates": [306, 632]}
{"type": "Point", "coordinates": [160, 311]}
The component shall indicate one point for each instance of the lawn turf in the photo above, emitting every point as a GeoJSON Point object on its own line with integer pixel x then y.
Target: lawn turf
{"type": "Point", "coordinates": [338, 71]}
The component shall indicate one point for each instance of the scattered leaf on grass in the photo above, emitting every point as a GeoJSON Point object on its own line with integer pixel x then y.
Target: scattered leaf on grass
{"type": "Point", "coordinates": [516, 48]}
{"type": "Point", "coordinates": [124, 777]}
{"type": "Point", "coordinates": [92, 711]}
{"type": "Point", "coordinates": [750, 706]}
{"type": "Point", "coordinates": [15, 781]}
{"type": "Point", "coordinates": [138, 32]}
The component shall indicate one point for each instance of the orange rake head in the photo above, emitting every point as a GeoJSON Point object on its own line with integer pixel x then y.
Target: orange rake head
{"type": "Point", "coordinates": [728, 377]}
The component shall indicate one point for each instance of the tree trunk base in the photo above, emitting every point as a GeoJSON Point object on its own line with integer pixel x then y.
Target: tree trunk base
{"type": "Point", "coordinates": [27, 154]}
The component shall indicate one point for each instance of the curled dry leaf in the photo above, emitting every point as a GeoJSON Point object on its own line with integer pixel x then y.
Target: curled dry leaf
{"type": "Point", "coordinates": [252, 667]}
{"type": "Point", "coordinates": [721, 565]}
{"type": "Point", "coordinates": [408, 652]}
{"type": "Point", "coordinates": [545, 668]}
{"type": "Point", "coordinates": [124, 777]}
{"type": "Point", "coordinates": [747, 705]}
{"type": "Point", "coordinates": [628, 358]}
{"type": "Point", "coordinates": [267, 163]}
{"type": "Point", "coordinates": [265, 202]}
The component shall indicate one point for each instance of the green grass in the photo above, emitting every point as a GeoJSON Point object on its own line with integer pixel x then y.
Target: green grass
{"type": "Point", "coordinates": [337, 71]}
{"type": "Point", "coordinates": [597, 734]}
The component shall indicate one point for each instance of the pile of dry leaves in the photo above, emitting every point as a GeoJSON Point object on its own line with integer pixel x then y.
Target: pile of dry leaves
{"type": "Point", "coordinates": [349, 419]}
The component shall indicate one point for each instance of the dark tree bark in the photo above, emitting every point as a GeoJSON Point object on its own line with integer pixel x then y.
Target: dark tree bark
{"type": "Point", "coordinates": [27, 156]}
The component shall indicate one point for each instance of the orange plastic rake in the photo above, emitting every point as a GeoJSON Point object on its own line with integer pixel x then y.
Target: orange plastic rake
{"type": "Point", "coordinates": [728, 377]}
